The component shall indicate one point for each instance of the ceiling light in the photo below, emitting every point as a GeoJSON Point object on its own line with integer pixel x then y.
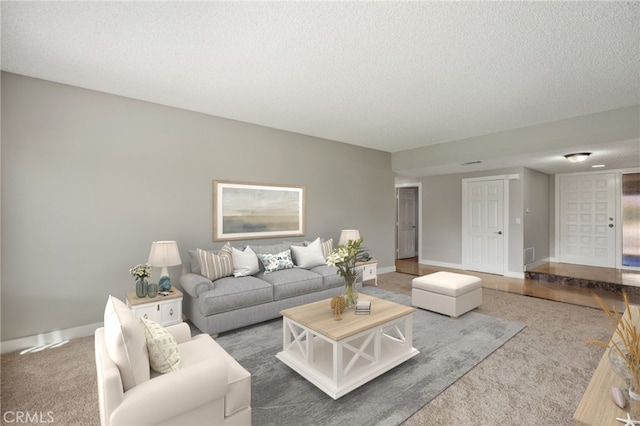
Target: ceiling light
{"type": "Point", "coordinates": [597, 166]}
{"type": "Point", "coordinates": [577, 157]}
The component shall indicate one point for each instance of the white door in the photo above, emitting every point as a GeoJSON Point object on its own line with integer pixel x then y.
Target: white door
{"type": "Point", "coordinates": [483, 228]}
{"type": "Point", "coordinates": [406, 223]}
{"type": "Point", "coordinates": [587, 219]}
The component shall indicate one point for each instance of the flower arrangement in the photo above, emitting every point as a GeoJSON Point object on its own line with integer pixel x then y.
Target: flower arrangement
{"type": "Point", "coordinates": [141, 272]}
{"type": "Point", "coordinates": [626, 337]}
{"type": "Point", "coordinates": [344, 258]}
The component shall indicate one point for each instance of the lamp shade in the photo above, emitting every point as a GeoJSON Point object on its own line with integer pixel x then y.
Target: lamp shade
{"type": "Point", "coordinates": [164, 253]}
{"type": "Point", "coordinates": [348, 234]}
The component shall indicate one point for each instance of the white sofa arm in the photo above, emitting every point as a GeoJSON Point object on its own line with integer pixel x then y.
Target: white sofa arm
{"type": "Point", "coordinates": [181, 332]}
{"type": "Point", "coordinates": [173, 394]}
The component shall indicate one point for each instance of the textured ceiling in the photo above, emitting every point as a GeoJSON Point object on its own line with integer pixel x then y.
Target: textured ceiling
{"type": "Point", "coordinates": [386, 75]}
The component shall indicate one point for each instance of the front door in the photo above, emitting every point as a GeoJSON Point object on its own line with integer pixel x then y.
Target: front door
{"type": "Point", "coordinates": [483, 233]}
{"type": "Point", "coordinates": [587, 219]}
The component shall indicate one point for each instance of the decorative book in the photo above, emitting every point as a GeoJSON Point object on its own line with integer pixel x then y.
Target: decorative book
{"type": "Point", "coordinates": [363, 307]}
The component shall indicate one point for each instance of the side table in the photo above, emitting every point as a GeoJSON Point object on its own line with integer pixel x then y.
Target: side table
{"type": "Point", "coordinates": [369, 270]}
{"type": "Point", "coordinates": [165, 310]}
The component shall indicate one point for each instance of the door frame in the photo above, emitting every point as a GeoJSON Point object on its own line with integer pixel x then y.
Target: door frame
{"type": "Point", "coordinates": [618, 213]}
{"type": "Point", "coordinates": [410, 185]}
{"type": "Point", "coordinates": [466, 253]}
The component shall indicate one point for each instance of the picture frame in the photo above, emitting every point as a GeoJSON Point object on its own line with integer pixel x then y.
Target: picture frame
{"type": "Point", "coordinates": [245, 210]}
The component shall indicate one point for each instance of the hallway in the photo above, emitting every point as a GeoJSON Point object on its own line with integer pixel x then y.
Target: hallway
{"type": "Point", "coordinates": [546, 290]}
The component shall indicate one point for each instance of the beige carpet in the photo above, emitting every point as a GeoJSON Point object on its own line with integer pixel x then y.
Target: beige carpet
{"type": "Point", "coordinates": [538, 377]}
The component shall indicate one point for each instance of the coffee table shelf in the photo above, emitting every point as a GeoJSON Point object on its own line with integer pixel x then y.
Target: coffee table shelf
{"type": "Point", "coordinates": [340, 356]}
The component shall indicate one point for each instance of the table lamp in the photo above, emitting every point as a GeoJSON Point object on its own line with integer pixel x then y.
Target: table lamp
{"type": "Point", "coordinates": [164, 254]}
{"type": "Point", "coordinates": [348, 234]}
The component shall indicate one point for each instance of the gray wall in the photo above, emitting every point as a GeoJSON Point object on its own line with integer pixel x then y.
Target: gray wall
{"type": "Point", "coordinates": [442, 216]}
{"type": "Point", "coordinates": [89, 180]}
{"type": "Point", "coordinates": [536, 219]}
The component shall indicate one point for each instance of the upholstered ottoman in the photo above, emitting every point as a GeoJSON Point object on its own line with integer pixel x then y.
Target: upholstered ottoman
{"type": "Point", "coordinates": [447, 293]}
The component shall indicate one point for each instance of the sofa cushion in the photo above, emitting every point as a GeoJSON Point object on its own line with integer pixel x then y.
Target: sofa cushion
{"type": "Point", "coordinates": [244, 262]}
{"type": "Point", "coordinates": [292, 282]}
{"type": "Point", "coordinates": [202, 347]}
{"type": "Point", "coordinates": [162, 347]}
{"type": "Point", "coordinates": [309, 256]}
{"type": "Point", "coordinates": [214, 266]}
{"type": "Point", "coordinates": [276, 262]}
{"type": "Point", "coordinates": [229, 294]}
{"type": "Point", "coordinates": [330, 277]}
{"type": "Point", "coordinates": [126, 344]}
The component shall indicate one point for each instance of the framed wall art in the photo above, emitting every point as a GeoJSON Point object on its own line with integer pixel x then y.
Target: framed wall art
{"type": "Point", "coordinates": [252, 210]}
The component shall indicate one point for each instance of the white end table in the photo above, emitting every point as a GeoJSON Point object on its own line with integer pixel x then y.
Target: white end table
{"type": "Point", "coordinates": [165, 310]}
{"type": "Point", "coordinates": [369, 270]}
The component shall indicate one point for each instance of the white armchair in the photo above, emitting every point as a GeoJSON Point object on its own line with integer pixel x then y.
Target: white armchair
{"type": "Point", "coordinates": [209, 388]}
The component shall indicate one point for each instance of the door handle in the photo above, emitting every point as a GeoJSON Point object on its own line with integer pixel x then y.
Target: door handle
{"type": "Point", "coordinates": [498, 232]}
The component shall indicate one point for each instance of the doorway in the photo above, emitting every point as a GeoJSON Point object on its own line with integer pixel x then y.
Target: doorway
{"type": "Point", "coordinates": [483, 227]}
{"type": "Point", "coordinates": [588, 219]}
{"type": "Point", "coordinates": [408, 221]}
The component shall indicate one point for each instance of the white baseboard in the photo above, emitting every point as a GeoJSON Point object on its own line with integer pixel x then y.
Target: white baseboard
{"type": "Point", "coordinates": [48, 338]}
{"type": "Point", "coordinates": [386, 270]}
{"type": "Point", "coordinates": [537, 263]}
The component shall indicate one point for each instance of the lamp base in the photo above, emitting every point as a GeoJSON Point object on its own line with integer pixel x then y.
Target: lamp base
{"type": "Point", "coordinates": [164, 284]}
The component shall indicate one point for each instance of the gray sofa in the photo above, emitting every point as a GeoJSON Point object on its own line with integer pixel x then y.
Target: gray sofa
{"type": "Point", "coordinates": [233, 302]}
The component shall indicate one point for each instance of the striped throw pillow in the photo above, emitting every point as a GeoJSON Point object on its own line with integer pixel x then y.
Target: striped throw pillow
{"type": "Point", "coordinates": [214, 266]}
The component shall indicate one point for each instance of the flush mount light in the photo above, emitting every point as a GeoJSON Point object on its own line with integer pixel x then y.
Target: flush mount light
{"type": "Point", "coordinates": [577, 157]}
{"type": "Point", "coordinates": [598, 166]}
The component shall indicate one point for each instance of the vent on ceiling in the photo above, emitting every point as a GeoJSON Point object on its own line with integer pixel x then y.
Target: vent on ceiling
{"type": "Point", "coordinates": [471, 162]}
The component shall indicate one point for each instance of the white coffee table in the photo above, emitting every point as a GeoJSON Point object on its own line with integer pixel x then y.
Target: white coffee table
{"type": "Point", "coordinates": [340, 356]}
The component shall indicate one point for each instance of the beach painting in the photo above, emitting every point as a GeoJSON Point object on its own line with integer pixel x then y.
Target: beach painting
{"type": "Point", "coordinates": [251, 210]}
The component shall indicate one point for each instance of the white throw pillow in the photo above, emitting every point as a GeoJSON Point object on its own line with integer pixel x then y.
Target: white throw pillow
{"type": "Point", "coordinates": [327, 246]}
{"type": "Point", "coordinates": [245, 262]}
{"type": "Point", "coordinates": [308, 257]}
{"type": "Point", "coordinates": [126, 343]}
{"type": "Point", "coordinates": [164, 356]}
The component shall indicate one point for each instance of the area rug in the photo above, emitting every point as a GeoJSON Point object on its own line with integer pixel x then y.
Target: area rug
{"type": "Point", "coordinates": [449, 348]}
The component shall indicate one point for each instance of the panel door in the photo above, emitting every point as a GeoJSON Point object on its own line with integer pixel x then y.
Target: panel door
{"type": "Point", "coordinates": [587, 220]}
{"type": "Point", "coordinates": [406, 223]}
{"type": "Point", "coordinates": [484, 236]}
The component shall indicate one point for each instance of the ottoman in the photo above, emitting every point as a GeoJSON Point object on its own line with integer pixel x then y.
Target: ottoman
{"type": "Point", "coordinates": [447, 293]}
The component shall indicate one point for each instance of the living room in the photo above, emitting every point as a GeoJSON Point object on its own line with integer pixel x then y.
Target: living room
{"type": "Point", "coordinates": [91, 175]}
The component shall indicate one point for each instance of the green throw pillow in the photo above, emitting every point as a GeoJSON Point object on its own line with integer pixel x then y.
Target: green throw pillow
{"type": "Point", "coordinates": [164, 356]}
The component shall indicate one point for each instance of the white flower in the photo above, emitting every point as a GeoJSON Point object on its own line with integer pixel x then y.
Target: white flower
{"type": "Point", "coordinates": [141, 271]}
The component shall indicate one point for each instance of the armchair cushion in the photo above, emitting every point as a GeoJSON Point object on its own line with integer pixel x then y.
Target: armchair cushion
{"type": "Point", "coordinates": [126, 344]}
{"type": "Point", "coordinates": [238, 385]}
{"type": "Point", "coordinates": [161, 346]}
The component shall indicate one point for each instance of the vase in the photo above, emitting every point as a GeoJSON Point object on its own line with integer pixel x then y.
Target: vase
{"type": "Point", "coordinates": [619, 364]}
{"type": "Point", "coordinates": [634, 404]}
{"type": "Point", "coordinates": [142, 287]}
{"type": "Point", "coordinates": [152, 290]}
{"type": "Point", "coordinates": [350, 293]}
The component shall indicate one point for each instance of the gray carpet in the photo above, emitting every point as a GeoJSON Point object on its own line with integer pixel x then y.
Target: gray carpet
{"type": "Point", "coordinates": [449, 348]}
